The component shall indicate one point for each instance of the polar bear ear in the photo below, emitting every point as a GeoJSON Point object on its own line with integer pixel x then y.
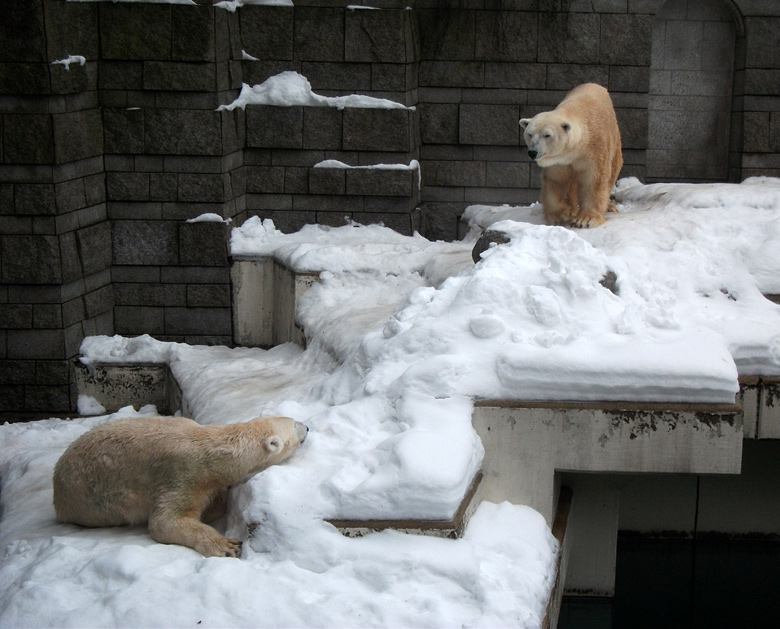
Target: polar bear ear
{"type": "Point", "coordinates": [273, 444]}
{"type": "Point", "coordinates": [566, 126]}
{"type": "Point", "coordinates": [524, 122]}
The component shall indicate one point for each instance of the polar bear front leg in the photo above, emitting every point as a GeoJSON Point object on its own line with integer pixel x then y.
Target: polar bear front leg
{"type": "Point", "coordinates": [558, 195]}
{"type": "Point", "coordinates": [183, 527]}
{"type": "Point", "coordinates": [594, 203]}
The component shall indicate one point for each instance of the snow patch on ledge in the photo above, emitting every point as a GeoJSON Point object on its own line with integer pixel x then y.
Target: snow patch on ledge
{"type": "Point", "coordinates": [290, 89]}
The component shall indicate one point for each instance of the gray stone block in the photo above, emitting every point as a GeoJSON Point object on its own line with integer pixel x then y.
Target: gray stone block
{"type": "Point", "coordinates": [569, 37]}
{"type": "Point", "coordinates": [763, 42]}
{"type": "Point", "coordinates": [265, 179]}
{"type": "Point", "coordinates": [378, 36]}
{"type": "Point", "coordinates": [23, 32]}
{"type": "Point", "coordinates": [77, 135]}
{"type": "Point", "coordinates": [16, 372]}
{"type": "Point", "coordinates": [201, 188]}
{"type": "Point", "coordinates": [402, 223]}
{"type": "Point", "coordinates": [47, 316]}
{"type": "Point", "coordinates": [163, 186]}
{"type": "Point", "coordinates": [489, 124]}
{"type": "Point", "coordinates": [439, 123]}
{"type": "Point", "coordinates": [75, 79]}
{"type": "Point", "coordinates": [452, 74]}
{"type": "Point", "coordinates": [153, 294]}
{"type": "Point", "coordinates": [179, 76]}
{"type": "Point", "coordinates": [135, 31]}
{"type": "Point", "coordinates": [380, 182]}
{"type": "Point", "coordinates": [762, 82]}
{"type": "Point", "coordinates": [145, 242]}
{"type": "Point", "coordinates": [205, 321]}
{"type": "Point", "coordinates": [377, 130]}
{"type": "Point", "coordinates": [69, 27]}
{"type": "Point", "coordinates": [32, 199]}
{"type": "Point", "coordinates": [505, 36]}
{"type": "Point", "coordinates": [626, 39]}
{"type": "Point", "coordinates": [274, 127]}
{"type": "Point", "coordinates": [121, 75]}
{"type": "Point", "coordinates": [95, 189]}
{"type": "Point", "coordinates": [99, 301]}
{"type": "Point", "coordinates": [267, 31]}
{"type": "Point", "coordinates": [42, 399]}
{"type": "Point", "coordinates": [192, 33]}
{"type": "Point", "coordinates": [296, 180]}
{"type": "Point", "coordinates": [30, 260]}
{"type": "Point", "coordinates": [139, 320]}
{"type": "Point", "coordinates": [182, 132]}
{"type": "Point", "coordinates": [564, 76]}
{"type": "Point", "coordinates": [24, 78]}
{"type": "Point", "coordinates": [195, 275]}
{"type": "Point", "coordinates": [449, 33]}
{"type": "Point", "coordinates": [288, 221]}
{"type": "Point", "coordinates": [327, 181]}
{"type": "Point", "coordinates": [393, 77]}
{"type": "Point", "coordinates": [529, 76]}
{"type": "Point", "coordinates": [94, 245]}
{"type": "Point", "coordinates": [633, 125]}
{"type": "Point", "coordinates": [318, 34]}
{"type": "Point", "coordinates": [124, 186]}
{"type": "Point", "coordinates": [454, 173]}
{"type": "Point", "coordinates": [52, 372]}
{"type": "Point", "coordinates": [629, 79]}
{"type": "Point", "coordinates": [28, 139]}
{"type": "Point", "coordinates": [507, 174]}
{"type": "Point", "coordinates": [36, 344]}
{"type": "Point", "coordinates": [16, 316]}
{"type": "Point", "coordinates": [70, 262]}
{"type": "Point", "coordinates": [322, 128]}
{"type": "Point", "coordinates": [203, 244]}
{"type": "Point", "coordinates": [341, 78]}
{"type": "Point", "coordinates": [208, 296]}
{"type": "Point", "coordinates": [12, 397]}
{"type": "Point", "coordinates": [73, 311]}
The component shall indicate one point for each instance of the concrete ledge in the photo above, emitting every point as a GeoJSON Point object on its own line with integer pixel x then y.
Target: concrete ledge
{"type": "Point", "coordinates": [526, 443]}
{"type": "Point", "coordinates": [115, 386]}
{"type": "Point", "coordinates": [453, 528]}
{"type": "Point", "coordinates": [559, 527]}
{"type": "Point", "coordinates": [768, 408]}
{"type": "Point", "coordinates": [265, 301]}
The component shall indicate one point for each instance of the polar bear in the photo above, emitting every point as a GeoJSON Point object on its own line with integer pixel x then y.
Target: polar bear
{"type": "Point", "coordinates": [578, 148]}
{"type": "Point", "coordinates": [168, 472]}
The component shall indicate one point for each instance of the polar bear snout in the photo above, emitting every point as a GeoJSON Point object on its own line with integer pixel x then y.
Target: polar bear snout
{"type": "Point", "coordinates": [302, 431]}
{"type": "Point", "coordinates": [532, 153]}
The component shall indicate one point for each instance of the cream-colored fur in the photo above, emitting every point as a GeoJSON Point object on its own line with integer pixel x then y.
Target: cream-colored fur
{"type": "Point", "coordinates": [577, 145]}
{"type": "Point", "coordinates": [169, 472]}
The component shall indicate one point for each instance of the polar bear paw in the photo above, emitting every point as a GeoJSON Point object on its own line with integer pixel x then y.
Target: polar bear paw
{"type": "Point", "coordinates": [588, 219]}
{"type": "Point", "coordinates": [220, 547]}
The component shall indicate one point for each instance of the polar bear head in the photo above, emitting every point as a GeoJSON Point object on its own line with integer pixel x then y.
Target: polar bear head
{"type": "Point", "coordinates": [276, 437]}
{"type": "Point", "coordinates": [551, 138]}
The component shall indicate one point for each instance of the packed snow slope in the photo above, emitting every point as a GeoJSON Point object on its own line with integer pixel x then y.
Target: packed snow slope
{"type": "Point", "coordinates": [403, 335]}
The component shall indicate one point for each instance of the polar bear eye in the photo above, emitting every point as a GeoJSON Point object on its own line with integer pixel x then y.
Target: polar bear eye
{"type": "Point", "coordinates": [547, 136]}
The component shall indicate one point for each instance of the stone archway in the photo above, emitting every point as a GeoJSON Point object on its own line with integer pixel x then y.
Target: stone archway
{"type": "Point", "coordinates": [691, 79]}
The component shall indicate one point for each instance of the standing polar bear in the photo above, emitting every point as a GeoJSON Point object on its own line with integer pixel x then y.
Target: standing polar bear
{"type": "Point", "coordinates": [169, 472]}
{"type": "Point", "coordinates": [578, 148]}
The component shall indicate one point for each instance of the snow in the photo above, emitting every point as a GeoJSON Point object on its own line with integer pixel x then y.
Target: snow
{"type": "Point", "coordinates": [291, 89]}
{"type": "Point", "coordinates": [70, 59]}
{"type": "Point", "coordinates": [403, 335]}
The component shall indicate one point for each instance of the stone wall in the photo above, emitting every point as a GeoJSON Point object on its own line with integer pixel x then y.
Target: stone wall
{"type": "Point", "coordinates": [102, 164]}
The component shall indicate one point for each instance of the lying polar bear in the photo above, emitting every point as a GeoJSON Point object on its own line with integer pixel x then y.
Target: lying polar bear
{"type": "Point", "coordinates": [169, 472]}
